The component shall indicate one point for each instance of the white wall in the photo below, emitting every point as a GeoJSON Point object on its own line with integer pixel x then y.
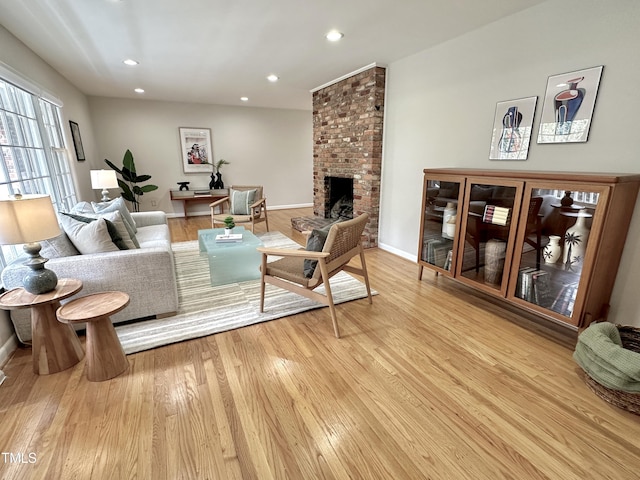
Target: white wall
{"type": "Point", "coordinates": [440, 109]}
{"type": "Point", "coordinates": [270, 147]}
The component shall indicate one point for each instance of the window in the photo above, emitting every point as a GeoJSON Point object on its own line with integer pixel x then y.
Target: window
{"type": "Point", "coordinates": [34, 157]}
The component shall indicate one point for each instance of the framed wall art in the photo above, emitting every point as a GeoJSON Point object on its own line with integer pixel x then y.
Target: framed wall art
{"type": "Point", "coordinates": [512, 128]}
{"type": "Point", "coordinates": [195, 150]}
{"type": "Point", "coordinates": [77, 141]}
{"type": "Point", "coordinates": [568, 106]}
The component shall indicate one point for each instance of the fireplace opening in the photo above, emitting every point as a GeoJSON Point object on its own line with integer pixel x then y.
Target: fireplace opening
{"type": "Point", "coordinates": [339, 198]}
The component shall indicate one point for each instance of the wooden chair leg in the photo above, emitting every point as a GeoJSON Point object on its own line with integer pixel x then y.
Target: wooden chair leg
{"type": "Point", "coordinates": [263, 269]}
{"type": "Point", "coordinates": [266, 219]}
{"type": "Point", "coordinates": [365, 274]}
{"type": "Point", "coordinates": [327, 287]}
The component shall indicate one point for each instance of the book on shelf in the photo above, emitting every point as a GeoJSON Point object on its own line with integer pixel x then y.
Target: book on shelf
{"type": "Point", "coordinates": [201, 193]}
{"type": "Point", "coordinates": [496, 215]}
{"type": "Point", "coordinates": [447, 262]}
{"type": "Point", "coordinates": [565, 299]}
{"type": "Point", "coordinates": [234, 237]}
{"type": "Point", "coordinates": [523, 286]}
{"type": "Point", "coordinates": [435, 251]}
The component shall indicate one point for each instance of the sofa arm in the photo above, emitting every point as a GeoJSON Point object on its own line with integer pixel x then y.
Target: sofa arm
{"type": "Point", "coordinates": [145, 219]}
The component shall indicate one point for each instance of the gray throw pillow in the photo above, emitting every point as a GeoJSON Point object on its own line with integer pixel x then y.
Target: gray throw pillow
{"type": "Point", "coordinates": [57, 247]}
{"type": "Point", "coordinates": [315, 243]}
{"type": "Point", "coordinates": [119, 205]}
{"type": "Point", "coordinates": [241, 200]}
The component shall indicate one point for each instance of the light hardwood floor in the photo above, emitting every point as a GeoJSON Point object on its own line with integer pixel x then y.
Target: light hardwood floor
{"type": "Point", "coordinates": [431, 381]}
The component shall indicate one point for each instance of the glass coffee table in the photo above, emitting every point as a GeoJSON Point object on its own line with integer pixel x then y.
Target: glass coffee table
{"type": "Point", "coordinates": [231, 262]}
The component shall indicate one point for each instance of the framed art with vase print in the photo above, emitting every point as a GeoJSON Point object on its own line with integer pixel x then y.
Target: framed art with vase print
{"type": "Point", "coordinates": [512, 127]}
{"type": "Point", "coordinates": [568, 106]}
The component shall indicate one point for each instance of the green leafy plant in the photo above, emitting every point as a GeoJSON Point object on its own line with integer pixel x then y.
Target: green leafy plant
{"type": "Point", "coordinates": [229, 223]}
{"type": "Point", "coordinates": [219, 164]}
{"type": "Point", "coordinates": [128, 184]}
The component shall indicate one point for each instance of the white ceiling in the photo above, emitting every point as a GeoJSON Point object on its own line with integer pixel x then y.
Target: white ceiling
{"type": "Point", "coordinates": [215, 51]}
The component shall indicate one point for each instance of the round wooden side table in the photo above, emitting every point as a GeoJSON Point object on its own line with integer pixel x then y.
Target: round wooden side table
{"type": "Point", "coordinates": [105, 357]}
{"type": "Point", "coordinates": [54, 346]}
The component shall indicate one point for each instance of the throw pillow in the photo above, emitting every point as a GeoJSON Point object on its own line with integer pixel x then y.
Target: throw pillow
{"type": "Point", "coordinates": [113, 205]}
{"type": "Point", "coordinates": [241, 200]}
{"type": "Point", "coordinates": [119, 205]}
{"type": "Point", "coordinates": [114, 234]}
{"type": "Point", "coordinates": [57, 247]}
{"type": "Point", "coordinates": [88, 237]}
{"type": "Point", "coordinates": [315, 243]}
{"type": "Point", "coordinates": [117, 221]}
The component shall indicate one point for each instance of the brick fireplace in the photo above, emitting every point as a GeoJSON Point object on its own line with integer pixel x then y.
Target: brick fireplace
{"type": "Point", "coordinates": [347, 136]}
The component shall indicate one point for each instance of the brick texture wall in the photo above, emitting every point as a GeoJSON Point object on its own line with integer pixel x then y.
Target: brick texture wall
{"type": "Point", "coordinates": [347, 134]}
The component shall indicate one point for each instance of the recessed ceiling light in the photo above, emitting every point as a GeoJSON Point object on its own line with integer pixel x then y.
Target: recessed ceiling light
{"type": "Point", "coordinates": [244, 99]}
{"type": "Point", "coordinates": [334, 35]}
{"type": "Point", "coordinates": [139, 90]}
{"type": "Point", "coordinates": [130, 62]}
{"type": "Point", "coordinates": [272, 78]}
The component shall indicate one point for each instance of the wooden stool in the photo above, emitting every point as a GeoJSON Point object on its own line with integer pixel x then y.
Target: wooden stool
{"type": "Point", "coordinates": [105, 357]}
{"type": "Point", "coordinates": [54, 347]}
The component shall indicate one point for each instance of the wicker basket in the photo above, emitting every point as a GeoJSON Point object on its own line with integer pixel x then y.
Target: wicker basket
{"type": "Point", "coordinates": [629, 401]}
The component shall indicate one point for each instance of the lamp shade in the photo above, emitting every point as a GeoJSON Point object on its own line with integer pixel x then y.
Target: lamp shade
{"type": "Point", "coordinates": [27, 219]}
{"type": "Point", "coordinates": [102, 179]}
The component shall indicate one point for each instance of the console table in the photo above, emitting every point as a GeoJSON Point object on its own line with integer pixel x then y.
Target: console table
{"type": "Point", "coordinates": [190, 196]}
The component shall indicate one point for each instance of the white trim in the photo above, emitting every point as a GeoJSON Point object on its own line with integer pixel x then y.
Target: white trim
{"type": "Point", "coordinates": [14, 77]}
{"type": "Point", "coordinates": [202, 213]}
{"type": "Point", "coordinates": [6, 350]}
{"type": "Point", "coordinates": [348, 75]}
{"type": "Point", "coordinates": [396, 251]}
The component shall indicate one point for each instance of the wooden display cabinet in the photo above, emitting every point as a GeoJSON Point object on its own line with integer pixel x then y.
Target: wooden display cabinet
{"type": "Point", "coordinates": [506, 223]}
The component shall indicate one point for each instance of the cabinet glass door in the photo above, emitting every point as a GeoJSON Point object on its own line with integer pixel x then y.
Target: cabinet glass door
{"type": "Point", "coordinates": [555, 243]}
{"type": "Point", "coordinates": [440, 222]}
{"type": "Point", "coordinates": [491, 217]}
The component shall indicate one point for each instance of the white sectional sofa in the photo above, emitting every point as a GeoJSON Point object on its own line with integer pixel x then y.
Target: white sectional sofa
{"type": "Point", "coordinates": [147, 274]}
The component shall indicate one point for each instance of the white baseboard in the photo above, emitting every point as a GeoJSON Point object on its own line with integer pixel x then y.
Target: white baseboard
{"type": "Point", "coordinates": [396, 251]}
{"type": "Point", "coordinates": [6, 350]}
{"type": "Point", "coordinates": [269, 208]}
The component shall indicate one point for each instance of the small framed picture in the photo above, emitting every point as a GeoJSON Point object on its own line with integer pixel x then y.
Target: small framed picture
{"type": "Point", "coordinates": [512, 125]}
{"type": "Point", "coordinates": [77, 141]}
{"type": "Point", "coordinates": [568, 106]}
{"type": "Point", "coordinates": [195, 150]}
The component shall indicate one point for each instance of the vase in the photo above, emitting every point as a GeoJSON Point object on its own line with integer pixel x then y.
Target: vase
{"type": "Point", "coordinates": [218, 184]}
{"type": "Point", "coordinates": [495, 252]}
{"type": "Point", "coordinates": [552, 252]}
{"type": "Point", "coordinates": [228, 231]}
{"type": "Point", "coordinates": [212, 182]}
{"type": "Point", "coordinates": [575, 244]}
{"type": "Point", "coordinates": [451, 226]}
{"type": "Point", "coordinates": [449, 211]}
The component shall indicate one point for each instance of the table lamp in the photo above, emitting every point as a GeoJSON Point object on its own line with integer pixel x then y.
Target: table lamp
{"type": "Point", "coordinates": [103, 179]}
{"type": "Point", "coordinates": [28, 219]}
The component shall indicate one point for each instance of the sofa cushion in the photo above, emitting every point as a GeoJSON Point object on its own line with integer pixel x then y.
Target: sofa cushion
{"type": "Point", "coordinates": [241, 200]}
{"type": "Point", "coordinates": [116, 219]}
{"type": "Point", "coordinates": [60, 246]}
{"type": "Point", "coordinates": [90, 237]}
{"type": "Point", "coordinates": [154, 236]}
{"type": "Point", "coordinates": [119, 205]}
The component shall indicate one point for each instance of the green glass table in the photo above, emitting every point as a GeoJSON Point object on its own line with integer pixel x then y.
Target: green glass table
{"type": "Point", "coordinates": [231, 262]}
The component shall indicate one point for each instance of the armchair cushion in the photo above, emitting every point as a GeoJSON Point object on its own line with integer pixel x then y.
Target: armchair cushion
{"type": "Point", "coordinates": [315, 243]}
{"type": "Point", "coordinates": [241, 201]}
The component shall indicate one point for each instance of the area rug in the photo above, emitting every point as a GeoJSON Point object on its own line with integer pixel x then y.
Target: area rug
{"type": "Point", "coordinates": [205, 310]}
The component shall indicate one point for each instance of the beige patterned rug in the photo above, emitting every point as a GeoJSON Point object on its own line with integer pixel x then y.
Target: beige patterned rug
{"type": "Point", "coordinates": [205, 310]}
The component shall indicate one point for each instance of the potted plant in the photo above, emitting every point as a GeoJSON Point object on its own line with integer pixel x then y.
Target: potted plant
{"type": "Point", "coordinates": [130, 177]}
{"type": "Point", "coordinates": [228, 225]}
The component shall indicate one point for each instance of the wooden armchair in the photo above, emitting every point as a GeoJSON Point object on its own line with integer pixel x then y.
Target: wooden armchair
{"type": "Point", "coordinates": [242, 213]}
{"type": "Point", "coordinates": [342, 244]}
